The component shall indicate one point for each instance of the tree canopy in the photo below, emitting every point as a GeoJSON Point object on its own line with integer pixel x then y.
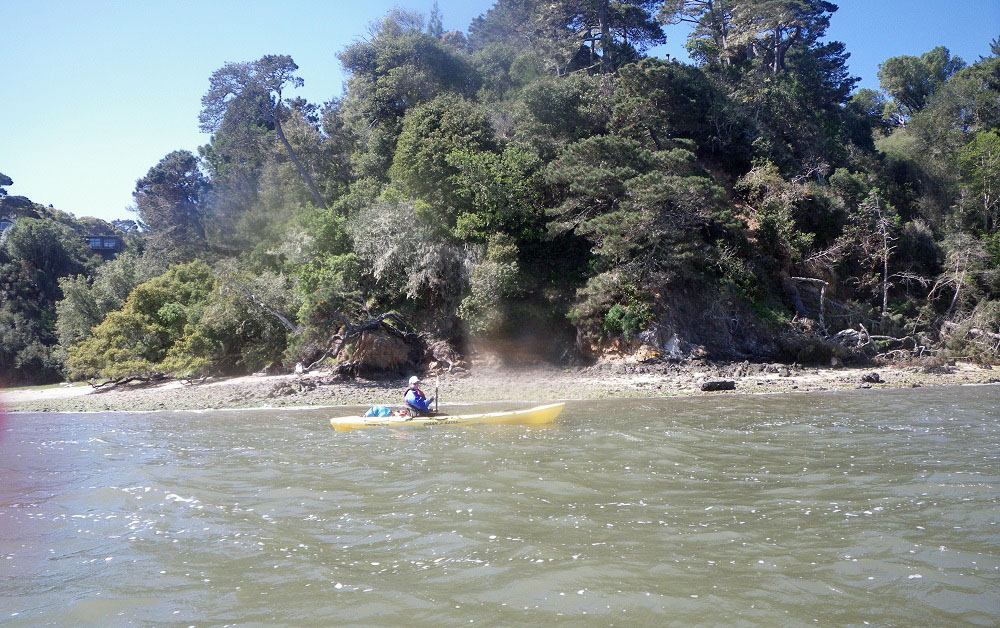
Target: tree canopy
{"type": "Point", "coordinates": [540, 179]}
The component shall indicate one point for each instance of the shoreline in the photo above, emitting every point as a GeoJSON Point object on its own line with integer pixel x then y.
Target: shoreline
{"type": "Point", "coordinates": [298, 408]}
{"type": "Point", "coordinates": [617, 380]}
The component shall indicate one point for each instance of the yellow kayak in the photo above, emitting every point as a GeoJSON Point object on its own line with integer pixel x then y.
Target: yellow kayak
{"type": "Point", "coordinates": [539, 415]}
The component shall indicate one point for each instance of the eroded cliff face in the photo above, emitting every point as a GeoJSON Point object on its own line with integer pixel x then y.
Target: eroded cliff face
{"type": "Point", "coordinates": [697, 325]}
{"type": "Point", "coordinates": [691, 324]}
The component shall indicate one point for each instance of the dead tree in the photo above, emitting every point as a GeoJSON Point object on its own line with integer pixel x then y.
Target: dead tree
{"type": "Point", "coordinates": [822, 296]}
{"type": "Point", "coordinates": [885, 248]}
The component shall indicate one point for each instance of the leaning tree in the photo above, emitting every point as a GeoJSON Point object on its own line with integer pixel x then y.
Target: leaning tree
{"type": "Point", "coordinates": [242, 95]}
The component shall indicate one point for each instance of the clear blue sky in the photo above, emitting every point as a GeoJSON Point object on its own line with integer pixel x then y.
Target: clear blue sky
{"type": "Point", "coordinates": [94, 92]}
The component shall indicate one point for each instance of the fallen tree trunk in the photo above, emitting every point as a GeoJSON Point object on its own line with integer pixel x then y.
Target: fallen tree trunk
{"type": "Point", "coordinates": [125, 380]}
{"type": "Point", "coordinates": [861, 339]}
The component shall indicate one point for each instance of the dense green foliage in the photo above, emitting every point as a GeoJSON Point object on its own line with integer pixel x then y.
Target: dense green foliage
{"type": "Point", "coordinates": [42, 247]}
{"type": "Point", "coordinates": [538, 178]}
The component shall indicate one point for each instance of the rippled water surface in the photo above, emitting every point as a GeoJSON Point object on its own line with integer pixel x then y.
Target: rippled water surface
{"type": "Point", "coordinates": [867, 507]}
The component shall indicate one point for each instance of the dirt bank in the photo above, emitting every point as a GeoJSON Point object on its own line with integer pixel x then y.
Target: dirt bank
{"type": "Point", "coordinates": [613, 380]}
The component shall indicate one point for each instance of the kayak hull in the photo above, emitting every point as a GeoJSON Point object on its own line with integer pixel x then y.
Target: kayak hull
{"type": "Point", "coordinates": [539, 415]}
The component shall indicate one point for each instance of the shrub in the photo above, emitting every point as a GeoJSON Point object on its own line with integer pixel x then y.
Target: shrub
{"type": "Point", "coordinates": [627, 320]}
{"type": "Point", "coordinates": [137, 340]}
{"type": "Point", "coordinates": [494, 283]}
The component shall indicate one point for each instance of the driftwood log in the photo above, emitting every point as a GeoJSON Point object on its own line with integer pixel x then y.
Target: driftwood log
{"type": "Point", "coordinates": [126, 380]}
{"type": "Point", "coordinates": [722, 384]}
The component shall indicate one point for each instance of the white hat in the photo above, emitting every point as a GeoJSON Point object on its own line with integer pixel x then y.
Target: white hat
{"type": "Point", "coordinates": [414, 380]}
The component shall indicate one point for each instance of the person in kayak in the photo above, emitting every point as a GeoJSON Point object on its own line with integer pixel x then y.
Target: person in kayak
{"type": "Point", "coordinates": [416, 401]}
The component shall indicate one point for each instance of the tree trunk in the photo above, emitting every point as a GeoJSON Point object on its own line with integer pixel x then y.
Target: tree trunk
{"type": "Point", "coordinates": [781, 48]}
{"type": "Point", "coordinates": [295, 159]}
{"type": "Point", "coordinates": [885, 285]}
{"type": "Point", "coordinates": [984, 165]}
{"type": "Point", "coordinates": [885, 266]}
{"type": "Point", "coordinates": [602, 17]}
{"type": "Point", "coordinates": [776, 50]}
{"type": "Point", "coordinates": [284, 321]}
{"type": "Point", "coordinates": [959, 280]}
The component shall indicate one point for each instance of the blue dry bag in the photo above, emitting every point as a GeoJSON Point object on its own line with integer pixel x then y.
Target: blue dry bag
{"type": "Point", "coordinates": [378, 411]}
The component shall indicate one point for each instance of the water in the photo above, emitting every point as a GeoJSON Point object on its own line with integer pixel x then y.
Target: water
{"type": "Point", "coordinates": [846, 509]}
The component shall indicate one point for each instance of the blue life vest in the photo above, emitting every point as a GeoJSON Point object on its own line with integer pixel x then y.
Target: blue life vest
{"type": "Point", "coordinates": [418, 401]}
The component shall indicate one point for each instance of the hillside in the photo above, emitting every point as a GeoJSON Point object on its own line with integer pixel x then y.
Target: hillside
{"type": "Point", "coordinates": [538, 190]}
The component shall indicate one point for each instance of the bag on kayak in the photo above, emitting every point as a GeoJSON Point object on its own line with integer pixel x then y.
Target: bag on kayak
{"type": "Point", "coordinates": [378, 411]}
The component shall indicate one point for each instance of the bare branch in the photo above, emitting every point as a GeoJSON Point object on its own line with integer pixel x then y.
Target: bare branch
{"type": "Point", "coordinates": [284, 321]}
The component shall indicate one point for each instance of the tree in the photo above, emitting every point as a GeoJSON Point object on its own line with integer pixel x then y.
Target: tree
{"type": "Point", "coordinates": [34, 254]}
{"type": "Point", "coordinates": [4, 182]}
{"type": "Point", "coordinates": [731, 32]}
{"type": "Point", "coordinates": [800, 113]}
{"type": "Point", "coordinates": [125, 226]}
{"type": "Point", "coordinates": [864, 116]}
{"type": "Point", "coordinates": [877, 240]}
{"type": "Point", "coordinates": [656, 100]}
{"type": "Point", "coordinates": [500, 194]}
{"type": "Point", "coordinates": [711, 32]}
{"type": "Point", "coordinates": [247, 321]}
{"type": "Point", "coordinates": [86, 301]}
{"type": "Point", "coordinates": [785, 86]}
{"type": "Point", "coordinates": [44, 251]}
{"type": "Point", "coordinates": [430, 133]}
{"type": "Point", "coordinates": [550, 113]}
{"type": "Point", "coordinates": [622, 29]}
{"type": "Point", "coordinates": [424, 266]}
{"type": "Point", "coordinates": [913, 81]}
{"type": "Point", "coordinates": [170, 203]}
{"type": "Point", "coordinates": [573, 34]}
{"type": "Point", "coordinates": [924, 153]}
{"type": "Point", "coordinates": [869, 243]}
{"type": "Point", "coordinates": [979, 168]}
{"type": "Point", "coordinates": [493, 285]}
{"type": "Point", "coordinates": [399, 68]}
{"type": "Point", "coordinates": [774, 204]}
{"type": "Point", "coordinates": [435, 26]}
{"type": "Point", "coordinates": [643, 212]}
{"type": "Point", "coordinates": [77, 313]}
{"type": "Point", "coordinates": [770, 28]}
{"type": "Point", "coordinates": [154, 333]}
{"type": "Point", "coordinates": [529, 25]}
{"type": "Point", "coordinates": [967, 270]}
{"type": "Point", "coordinates": [246, 95]}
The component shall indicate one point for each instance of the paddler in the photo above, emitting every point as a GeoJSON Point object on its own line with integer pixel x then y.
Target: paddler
{"type": "Point", "coordinates": [416, 401]}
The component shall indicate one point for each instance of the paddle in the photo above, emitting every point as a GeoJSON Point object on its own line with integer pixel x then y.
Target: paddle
{"type": "Point", "coordinates": [437, 383]}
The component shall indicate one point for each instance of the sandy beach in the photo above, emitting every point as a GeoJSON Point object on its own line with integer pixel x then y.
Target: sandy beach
{"type": "Point", "coordinates": [608, 380]}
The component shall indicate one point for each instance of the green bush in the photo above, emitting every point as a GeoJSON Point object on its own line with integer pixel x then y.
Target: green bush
{"type": "Point", "coordinates": [627, 320]}
{"type": "Point", "coordinates": [494, 283]}
{"type": "Point", "coordinates": [137, 340]}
